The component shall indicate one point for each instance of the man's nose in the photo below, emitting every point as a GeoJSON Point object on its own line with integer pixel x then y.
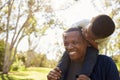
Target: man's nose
{"type": "Point", "coordinates": [69, 47]}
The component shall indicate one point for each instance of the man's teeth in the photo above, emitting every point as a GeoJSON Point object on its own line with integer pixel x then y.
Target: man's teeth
{"type": "Point", "coordinates": [72, 52]}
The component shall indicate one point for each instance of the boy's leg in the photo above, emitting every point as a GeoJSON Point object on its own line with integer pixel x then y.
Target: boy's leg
{"type": "Point", "coordinates": [63, 64]}
{"type": "Point", "coordinates": [90, 61]}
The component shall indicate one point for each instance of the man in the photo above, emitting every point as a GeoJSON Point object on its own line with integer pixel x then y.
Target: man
{"type": "Point", "coordinates": [96, 32]}
{"type": "Point", "coordinates": [77, 48]}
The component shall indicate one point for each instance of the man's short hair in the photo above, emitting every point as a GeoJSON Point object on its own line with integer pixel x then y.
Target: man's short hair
{"type": "Point", "coordinates": [102, 26]}
{"type": "Point", "coordinates": [75, 29]}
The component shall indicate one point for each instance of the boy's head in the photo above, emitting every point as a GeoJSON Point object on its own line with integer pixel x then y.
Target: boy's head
{"type": "Point", "coordinates": [101, 26]}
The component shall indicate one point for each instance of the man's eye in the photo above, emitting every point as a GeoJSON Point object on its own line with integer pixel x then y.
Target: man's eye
{"type": "Point", "coordinates": [75, 43]}
{"type": "Point", "coordinates": [65, 44]}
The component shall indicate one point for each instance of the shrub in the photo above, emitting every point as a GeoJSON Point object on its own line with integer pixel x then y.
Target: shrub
{"type": "Point", "coordinates": [18, 66]}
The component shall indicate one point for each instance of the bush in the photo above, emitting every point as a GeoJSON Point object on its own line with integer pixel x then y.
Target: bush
{"type": "Point", "coordinates": [18, 66]}
{"type": "Point", "coordinates": [2, 50]}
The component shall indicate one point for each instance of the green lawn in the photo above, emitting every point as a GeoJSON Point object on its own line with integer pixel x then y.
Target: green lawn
{"type": "Point", "coordinates": [32, 73]}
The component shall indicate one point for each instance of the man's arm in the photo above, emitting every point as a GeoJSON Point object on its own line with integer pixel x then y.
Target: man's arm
{"type": "Point", "coordinates": [111, 70]}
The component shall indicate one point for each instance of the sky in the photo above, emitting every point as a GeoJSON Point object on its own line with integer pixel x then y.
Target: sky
{"type": "Point", "coordinates": [78, 11]}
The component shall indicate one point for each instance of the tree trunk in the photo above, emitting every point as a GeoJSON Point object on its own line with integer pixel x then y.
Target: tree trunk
{"type": "Point", "coordinates": [6, 66]}
{"type": "Point", "coordinates": [6, 69]}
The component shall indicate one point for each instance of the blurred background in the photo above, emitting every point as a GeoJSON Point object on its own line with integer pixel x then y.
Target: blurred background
{"type": "Point", "coordinates": [31, 33]}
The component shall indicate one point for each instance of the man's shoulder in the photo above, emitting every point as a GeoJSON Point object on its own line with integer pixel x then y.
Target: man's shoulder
{"type": "Point", "coordinates": [103, 59]}
{"type": "Point", "coordinates": [103, 56]}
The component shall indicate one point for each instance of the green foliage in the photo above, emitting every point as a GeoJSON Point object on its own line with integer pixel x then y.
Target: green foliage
{"type": "Point", "coordinates": [2, 50]}
{"type": "Point", "coordinates": [118, 66]}
{"type": "Point", "coordinates": [50, 63]}
{"type": "Point", "coordinates": [21, 57]}
{"type": "Point", "coordinates": [44, 62]}
{"type": "Point", "coordinates": [11, 77]}
{"type": "Point", "coordinates": [18, 66]}
{"type": "Point", "coordinates": [39, 69]}
{"type": "Point", "coordinates": [116, 58]}
{"type": "Point", "coordinates": [32, 73]}
{"type": "Point", "coordinates": [2, 46]}
{"type": "Point", "coordinates": [111, 8]}
{"type": "Point", "coordinates": [33, 59]}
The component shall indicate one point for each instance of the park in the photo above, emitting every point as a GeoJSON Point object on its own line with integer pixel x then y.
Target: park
{"type": "Point", "coordinates": [31, 34]}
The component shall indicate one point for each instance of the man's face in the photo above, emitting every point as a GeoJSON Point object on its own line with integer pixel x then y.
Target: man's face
{"type": "Point", "coordinates": [75, 45]}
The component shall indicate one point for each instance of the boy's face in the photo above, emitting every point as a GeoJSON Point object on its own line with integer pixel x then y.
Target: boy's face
{"type": "Point", "coordinates": [87, 32]}
{"type": "Point", "coordinates": [75, 45]}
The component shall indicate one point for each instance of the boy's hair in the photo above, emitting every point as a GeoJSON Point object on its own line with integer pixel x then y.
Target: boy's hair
{"type": "Point", "coordinates": [102, 26]}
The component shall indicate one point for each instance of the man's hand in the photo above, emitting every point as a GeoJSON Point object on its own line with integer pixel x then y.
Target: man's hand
{"type": "Point", "coordinates": [83, 77]}
{"type": "Point", "coordinates": [54, 74]}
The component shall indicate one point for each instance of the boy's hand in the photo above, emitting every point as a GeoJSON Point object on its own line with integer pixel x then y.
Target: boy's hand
{"type": "Point", "coordinates": [54, 74]}
{"type": "Point", "coordinates": [83, 77]}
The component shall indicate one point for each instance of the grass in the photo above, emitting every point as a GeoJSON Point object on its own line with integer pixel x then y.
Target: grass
{"type": "Point", "coordinates": [32, 73]}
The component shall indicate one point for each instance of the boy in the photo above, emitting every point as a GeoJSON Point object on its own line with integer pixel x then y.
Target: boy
{"type": "Point", "coordinates": [99, 28]}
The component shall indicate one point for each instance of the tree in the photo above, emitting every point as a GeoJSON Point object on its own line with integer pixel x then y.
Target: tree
{"type": "Point", "coordinates": [18, 21]}
{"type": "Point", "coordinates": [18, 32]}
{"type": "Point", "coordinates": [2, 50]}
